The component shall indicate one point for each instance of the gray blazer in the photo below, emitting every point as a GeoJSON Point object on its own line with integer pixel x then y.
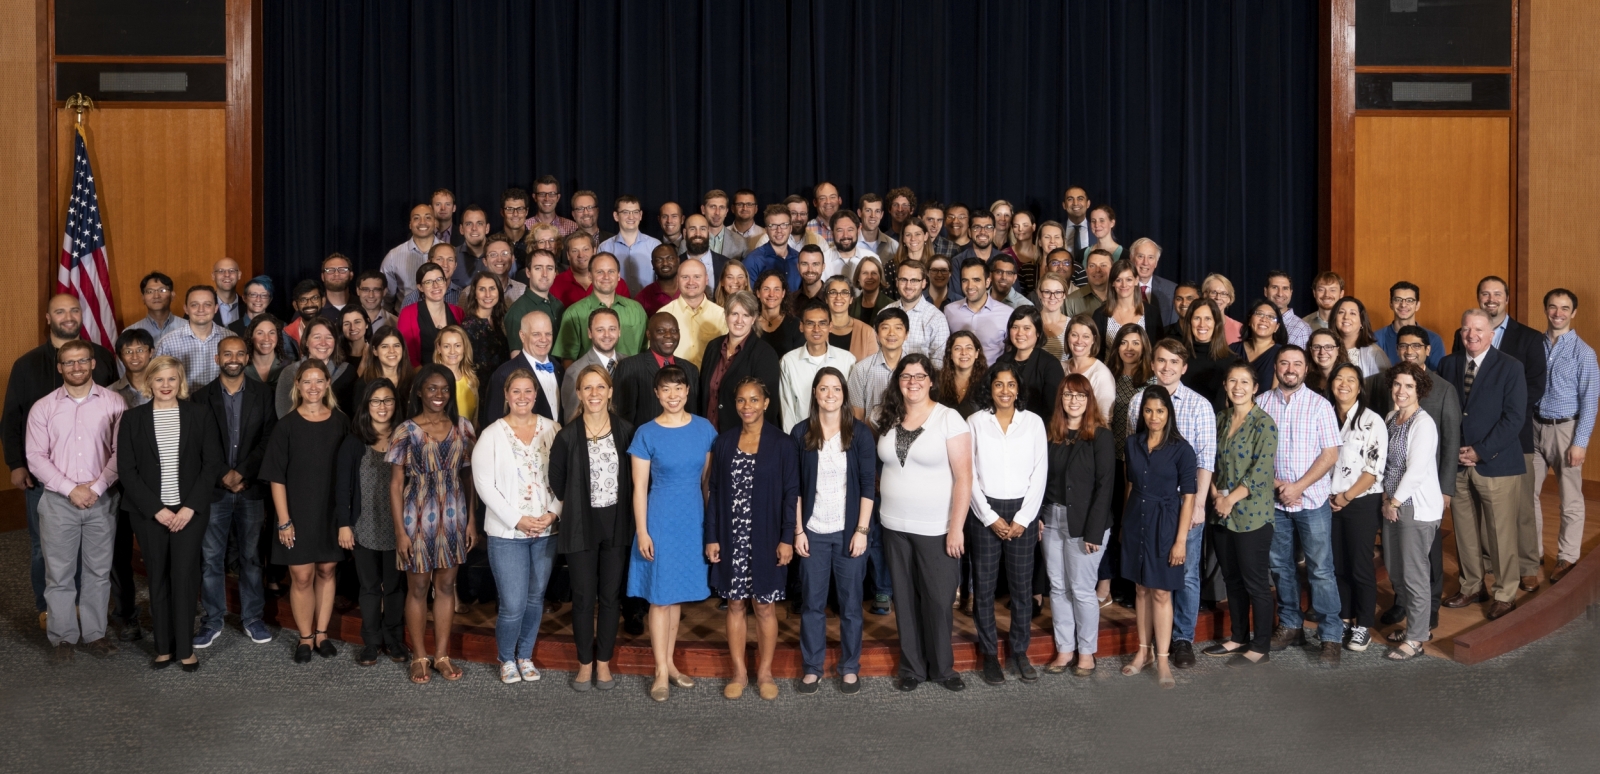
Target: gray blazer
{"type": "Point", "coordinates": [569, 381]}
{"type": "Point", "coordinates": [734, 244]}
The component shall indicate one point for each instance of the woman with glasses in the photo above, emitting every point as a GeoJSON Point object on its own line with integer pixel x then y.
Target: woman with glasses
{"type": "Point", "coordinates": [361, 496]}
{"type": "Point", "coordinates": [1219, 289]}
{"type": "Point", "coordinates": [1051, 295]}
{"type": "Point", "coordinates": [421, 322]}
{"type": "Point", "coordinates": [1077, 522]}
{"type": "Point", "coordinates": [845, 331]}
{"type": "Point", "coordinates": [1325, 353]}
{"type": "Point", "coordinates": [1264, 336]}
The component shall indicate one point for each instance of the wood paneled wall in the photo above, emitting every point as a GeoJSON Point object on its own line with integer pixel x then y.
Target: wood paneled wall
{"type": "Point", "coordinates": [1563, 152]}
{"type": "Point", "coordinates": [21, 194]}
{"type": "Point", "coordinates": [1432, 197]}
{"type": "Point", "coordinates": [162, 176]}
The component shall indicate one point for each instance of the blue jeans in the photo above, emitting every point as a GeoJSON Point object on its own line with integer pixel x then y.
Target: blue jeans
{"type": "Point", "coordinates": [830, 559]}
{"type": "Point", "coordinates": [1314, 528]}
{"type": "Point", "coordinates": [241, 516]}
{"type": "Point", "coordinates": [521, 569]}
{"type": "Point", "coordinates": [1186, 601]}
{"type": "Point", "coordinates": [36, 557]}
{"type": "Point", "coordinates": [881, 583]}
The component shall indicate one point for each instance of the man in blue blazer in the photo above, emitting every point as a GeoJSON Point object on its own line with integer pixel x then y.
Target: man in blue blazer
{"type": "Point", "coordinates": [1489, 487]}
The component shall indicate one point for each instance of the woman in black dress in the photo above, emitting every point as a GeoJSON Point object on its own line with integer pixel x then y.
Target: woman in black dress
{"type": "Point", "coordinates": [775, 325]}
{"type": "Point", "coordinates": [1161, 479]}
{"type": "Point", "coordinates": [361, 496]}
{"type": "Point", "coordinates": [483, 317]}
{"type": "Point", "coordinates": [300, 465]}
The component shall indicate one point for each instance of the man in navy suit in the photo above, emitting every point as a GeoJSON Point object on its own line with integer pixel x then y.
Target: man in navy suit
{"type": "Point", "coordinates": [1489, 487]}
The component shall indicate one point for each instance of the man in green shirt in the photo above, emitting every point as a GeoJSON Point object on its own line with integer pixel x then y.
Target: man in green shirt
{"type": "Point", "coordinates": [541, 274]}
{"type": "Point", "coordinates": [573, 340]}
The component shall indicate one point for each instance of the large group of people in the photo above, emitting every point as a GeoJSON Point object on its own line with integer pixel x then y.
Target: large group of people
{"type": "Point", "coordinates": [908, 405]}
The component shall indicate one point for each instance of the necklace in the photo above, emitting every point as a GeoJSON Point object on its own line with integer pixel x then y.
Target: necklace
{"type": "Point", "coordinates": [595, 435]}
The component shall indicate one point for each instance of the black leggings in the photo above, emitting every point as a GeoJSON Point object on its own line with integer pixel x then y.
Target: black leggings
{"type": "Point", "coordinates": [1246, 569]}
{"type": "Point", "coordinates": [596, 582]}
{"type": "Point", "coordinates": [1355, 532]}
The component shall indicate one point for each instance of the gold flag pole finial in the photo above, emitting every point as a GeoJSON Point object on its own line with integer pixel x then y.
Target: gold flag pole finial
{"type": "Point", "coordinates": [79, 103]}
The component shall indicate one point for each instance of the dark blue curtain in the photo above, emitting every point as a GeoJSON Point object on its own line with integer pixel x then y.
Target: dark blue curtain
{"type": "Point", "coordinates": [1195, 119]}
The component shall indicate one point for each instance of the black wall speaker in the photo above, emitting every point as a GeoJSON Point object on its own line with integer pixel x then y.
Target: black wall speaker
{"type": "Point", "coordinates": [141, 27]}
{"type": "Point", "coordinates": [1433, 33]}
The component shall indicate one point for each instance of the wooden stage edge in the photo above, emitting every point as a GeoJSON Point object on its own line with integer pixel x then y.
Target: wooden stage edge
{"type": "Point", "coordinates": [1554, 607]}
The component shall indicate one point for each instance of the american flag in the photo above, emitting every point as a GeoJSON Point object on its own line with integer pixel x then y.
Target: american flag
{"type": "Point", "coordinates": [85, 271]}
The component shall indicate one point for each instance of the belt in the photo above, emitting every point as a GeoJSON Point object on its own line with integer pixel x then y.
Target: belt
{"type": "Point", "coordinates": [1561, 421]}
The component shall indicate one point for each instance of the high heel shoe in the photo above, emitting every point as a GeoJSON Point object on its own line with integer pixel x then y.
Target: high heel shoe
{"type": "Point", "coordinates": [1165, 682]}
{"type": "Point", "coordinates": [1130, 670]}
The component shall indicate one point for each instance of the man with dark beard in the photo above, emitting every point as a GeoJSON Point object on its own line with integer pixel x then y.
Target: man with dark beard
{"type": "Point", "coordinates": [33, 376]}
{"type": "Point", "coordinates": [697, 245]}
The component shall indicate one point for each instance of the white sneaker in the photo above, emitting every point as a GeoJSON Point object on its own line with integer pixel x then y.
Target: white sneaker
{"type": "Point", "coordinates": [508, 673]}
{"type": "Point", "coordinates": [530, 673]}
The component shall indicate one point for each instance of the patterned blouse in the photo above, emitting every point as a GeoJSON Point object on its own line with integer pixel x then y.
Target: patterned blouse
{"type": "Point", "coordinates": [1127, 387]}
{"type": "Point", "coordinates": [603, 467]}
{"type": "Point", "coordinates": [1246, 459]}
{"type": "Point", "coordinates": [1399, 441]}
{"type": "Point", "coordinates": [374, 526]}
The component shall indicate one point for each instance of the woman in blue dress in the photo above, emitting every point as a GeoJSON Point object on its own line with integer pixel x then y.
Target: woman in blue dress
{"type": "Point", "coordinates": [671, 458]}
{"type": "Point", "coordinates": [1161, 477]}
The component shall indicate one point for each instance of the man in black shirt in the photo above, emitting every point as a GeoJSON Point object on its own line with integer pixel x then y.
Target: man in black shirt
{"type": "Point", "coordinates": [34, 376]}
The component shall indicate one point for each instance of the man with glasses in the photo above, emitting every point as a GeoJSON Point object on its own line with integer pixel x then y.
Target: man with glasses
{"type": "Point", "coordinates": [225, 278]}
{"type": "Point", "coordinates": [156, 292]}
{"type": "Point", "coordinates": [400, 265]}
{"type": "Point", "coordinates": [927, 330]}
{"type": "Point", "coordinates": [799, 366]}
{"type": "Point", "coordinates": [546, 195]}
{"type": "Point", "coordinates": [1405, 300]}
{"type": "Point", "coordinates": [514, 214]}
{"type": "Point", "coordinates": [745, 224]}
{"type": "Point", "coordinates": [981, 246]}
{"type": "Point", "coordinates": [826, 198]}
{"type": "Point", "coordinates": [307, 303]}
{"type": "Point", "coordinates": [370, 288]}
{"type": "Point", "coordinates": [195, 344]}
{"type": "Point", "coordinates": [1003, 288]}
{"type": "Point", "coordinates": [443, 203]}
{"type": "Point", "coordinates": [586, 212]}
{"type": "Point", "coordinates": [775, 253]}
{"type": "Point", "coordinates": [33, 376]}
{"type": "Point", "coordinates": [500, 260]}
{"type": "Point", "coordinates": [631, 246]}
{"type": "Point", "coordinates": [1087, 298]}
{"type": "Point", "coordinates": [336, 277]}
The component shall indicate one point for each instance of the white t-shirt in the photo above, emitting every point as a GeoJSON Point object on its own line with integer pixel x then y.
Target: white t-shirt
{"type": "Point", "coordinates": [915, 497]}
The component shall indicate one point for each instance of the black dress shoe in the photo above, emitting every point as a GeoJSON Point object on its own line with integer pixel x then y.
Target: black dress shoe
{"type": "Point", "coordinates": [1182, 654]}
{"type": "Point", "coordinates": [1218, 650]}
{"type": "Point", "coordinates": [850, 686]}
{"type": "Point", "coordinates": [302, 652]}
{"type": "Point", "coordinates": [327, 650]}
{"type": "Point", "coordinates": [368, 655]}
{"type": "Point", "coordinates": [190, 666]}
{"type": "Point", "coordinates": [1239, 660]}
{"type": "Point", "coordinates": [992, 674]}
{"type": "Point", "coordinates": [1025, 669]}
{"type": "Point", "coordinates": [399, 654]}
{"type": "Point", "coordinates": [162, 664]}
{"type": "Point", "coordinates": [908, 684]}
{"type": "Point", "coordinates": [955, 683]}
{"type": "Point", "coordinates": [1392, 616]}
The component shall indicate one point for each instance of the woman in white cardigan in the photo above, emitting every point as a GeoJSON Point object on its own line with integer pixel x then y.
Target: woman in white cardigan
{"type": "Point", "coordinates": [510, 468]}
{"type": "Point", "coordinates": [1412, 503]}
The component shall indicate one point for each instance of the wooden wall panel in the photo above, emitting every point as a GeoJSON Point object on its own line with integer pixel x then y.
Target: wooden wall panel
{"type": "Point", "coordinates": [163, 193]}
{"type": "Point", "coordinates": [1564, 160]}
{"type": "Point", "coordinates": [1432, 197]}
{"type": "Point", "coordinates": [21, 322]}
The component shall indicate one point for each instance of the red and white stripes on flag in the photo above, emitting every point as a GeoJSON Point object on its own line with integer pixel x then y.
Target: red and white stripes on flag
{"type": "Point", "coordinates": [85, 271]}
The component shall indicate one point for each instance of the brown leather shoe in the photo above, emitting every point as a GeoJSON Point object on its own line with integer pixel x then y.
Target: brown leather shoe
{"type": "Point", "coordinates": [101, 648]}
{"type": "Point", "coordinates": [1462, 600]}
{"type": "Point", "coordinates": [1498, 609]}
{"type": "Point", "coordinates": [1529, 583]}
{"type": "Point", "coordinates": [1562, 568]}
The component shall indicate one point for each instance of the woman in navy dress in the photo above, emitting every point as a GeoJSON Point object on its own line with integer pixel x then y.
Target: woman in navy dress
{"type": "Point", "coordinates": [1161, 476]}
{"type": "Point", "coordinates": [667, 567]}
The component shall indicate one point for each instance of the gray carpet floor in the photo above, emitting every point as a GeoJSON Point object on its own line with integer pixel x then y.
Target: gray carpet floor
{"type": "Point", "coordinates": [251, 709]}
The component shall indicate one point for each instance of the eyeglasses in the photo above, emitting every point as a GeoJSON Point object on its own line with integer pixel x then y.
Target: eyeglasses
{"type": "Point", "coordinates": [547, 195]}
{"type": "Point", "coordinates": [381, 402]}
{"type": "Point", "coordinates": [157, 291]}
{"type": "Point", "coordinates": [909, 280]}
{"type": "Point", "coordinates": [1005, 273]}
{"type": "Point", "coordinates": [590, 208]}
{"type": "Point", "coordinates": [428, 283]}
{"type": "Point", "coordinates": [1217, 295]}
{"type": "Point", "coordinates": [983, 228]}
{"type": "Point", "coordinates": [523, 210]}
{"type": "Point", "coordinates": [1074, 397]}
{"type": "Point", "coordinates": [914, 378]}
{"type": "Point", "coordinates": [1052, 293]}
{"type": "Point", "coordinates": [1410, 347]}
{"type": "Point", "coordinates": [139, 350]}
{"type": "Point", "coordinates": [1265, 316]}
{"type": "Point", "coordinates": [815, 323]}
{"type": "Point", "coordinates": [336, 270]}
{"type": "Point", "coordinates": [225, 272]}
{"type": "Point", "coordinates": [258, 296]}
{"type": "Point", "coordinates": [1324, 348]}
{"type": "Point", "coordinates": [1403, 301]}
{"type": "Point", "coordinates": [79, 363]}
{"type": "Point", "coordinates": [838, 292]}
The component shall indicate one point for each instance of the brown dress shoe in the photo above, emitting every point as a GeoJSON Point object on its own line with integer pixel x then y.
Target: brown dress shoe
{"type": "Point", "coordinates": [1462, 600]}
{"type": "Point", "coordinates": [1498, 609]}
{"type": "Point", "coordinates": [101, 648]}
{"type": "Point", "coordinates": [1529, 583]}
{"type": "Point", "coordinates": [1562, 568]}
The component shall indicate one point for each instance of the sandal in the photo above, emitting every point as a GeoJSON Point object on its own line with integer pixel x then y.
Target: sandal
{"type": "Point", "coordinates": [420, 675]}
{"type": "Point", "coordinates": [446, 669]}
{"type": "Point", "coordinates": [1165, 682]}
{"type": "Point", "coordinates": [1405, 651]}
{"type": "Point", "coordinates": [1130, 670]}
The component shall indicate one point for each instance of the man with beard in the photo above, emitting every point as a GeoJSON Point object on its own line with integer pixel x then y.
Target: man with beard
{"type": "Point", "coordinates": [841, 257]}
{"type": "Point", "coordinates": [723, 240]}
{"type": "Point", "coordinates": [307, 306]}
{"type": "Point", "coordinates": [670, 216]}
{"type": "Point", "coordinates": [336, 278]}
{"type": "Point", "coordinates": [697, 245]}
{"type": "Point", "coordinates": [33, 376]}
{"type": "Point", "coordinates": [474, 241]}
{"type": "Point", "coordinates": [586, 213]}
{"type": "Point", "coordinates": [664, 262]}
{"type": "Point", "coordinates": [244, 414]}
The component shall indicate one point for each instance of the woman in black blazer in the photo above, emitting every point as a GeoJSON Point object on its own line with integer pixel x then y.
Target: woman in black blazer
{"type": "Point", "coordinates": [833, 544]}
{"type": "Point", "coordinates": [749, 527]}
{"type": "Point", "coordinates": [596, 527]}
{"type": "Point", "coordinates": [1077, 521]}
{"type": "Point", "coordinates": [731, 359]}
{"type": "Point", "coordinates": [169, 459]}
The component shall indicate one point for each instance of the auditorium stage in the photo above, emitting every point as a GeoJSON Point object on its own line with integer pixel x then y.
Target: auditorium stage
{"type": "Point", "coordinates": [702, 645]}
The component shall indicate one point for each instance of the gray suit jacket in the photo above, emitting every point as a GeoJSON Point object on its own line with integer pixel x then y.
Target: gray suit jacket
{"type": "Point", "coordinates": [569, 381]}
{"type": "Point", "coordinates": [734, 244]}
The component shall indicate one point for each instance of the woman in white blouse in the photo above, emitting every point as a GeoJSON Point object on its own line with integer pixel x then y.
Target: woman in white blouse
{"type": "Point", "coordinates": [1009, 464]}
{"type": "Point", "coordinates": [1083, 357]}
{"type": "Point", "coordinates": [1412, 503]}
{"type": "Point", "coordinates": [510, 469]}
{"type": "Point", "coordinates": [1356, 494]}
{"type": "Point", "coordinates": [1355, 335]}
{"type": "Point", "coordinates": [924, 489]}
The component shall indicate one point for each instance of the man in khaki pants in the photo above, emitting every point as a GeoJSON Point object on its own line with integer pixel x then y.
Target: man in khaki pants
{"type": "Point", "coordinates": [1563, 422]}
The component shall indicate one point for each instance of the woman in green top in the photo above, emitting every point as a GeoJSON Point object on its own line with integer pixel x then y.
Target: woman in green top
{"type": "Point", "coordinates": [1242, 498]}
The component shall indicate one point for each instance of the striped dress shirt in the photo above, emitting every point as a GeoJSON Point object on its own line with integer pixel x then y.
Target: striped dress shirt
{"type": "Point", "coordinates": [1306, 426]}
{"type": "Point", "coordinates": [1196, 422]}
{"type": "Point", "coordinates": [1570, 381]}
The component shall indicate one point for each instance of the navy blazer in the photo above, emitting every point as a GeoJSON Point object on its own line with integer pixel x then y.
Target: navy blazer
{"type": "Point", "coordinates": [257, 418]}
{"type": "Point", "coordinates": [777, 489]}
{"type": "Point", "coordinates": [861, 472]}
{"type": "Point", "coordinates": [1492, 416]}
{"type": "Point", "coordinates": [1527, 346]}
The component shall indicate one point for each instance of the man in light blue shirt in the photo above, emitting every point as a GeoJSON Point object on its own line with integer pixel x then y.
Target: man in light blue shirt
{"type": "Point", "coordinates": [978, 312]}
{"type": "Point", "coordinates": [1405, 299]}
{"type": "Point", "coordinates": [1563, 422]}
{"type": "Point", "coordinates": [631, 246]}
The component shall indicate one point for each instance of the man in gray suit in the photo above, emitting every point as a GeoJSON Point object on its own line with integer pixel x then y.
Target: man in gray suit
{"type": "Point", "coordinates": [1146, 255]}
{"type": "Point", "coordinates": [724, 239]}
{"type": "Point", "coordinates": [1444, 408]}
{"type": "Point", "coordinates": [605, 329]}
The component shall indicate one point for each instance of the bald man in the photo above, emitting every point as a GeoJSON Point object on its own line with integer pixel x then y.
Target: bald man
{"type": "Point", "coordinates": [34, 376]}
{"type": "Point", "coordinates": [699, 318]}
{"type": "Point", "coordinates": [536, 336]}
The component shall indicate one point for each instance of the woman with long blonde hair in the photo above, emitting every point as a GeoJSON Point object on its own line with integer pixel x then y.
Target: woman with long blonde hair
{"type": "Point", "coordinates": [453, 350]}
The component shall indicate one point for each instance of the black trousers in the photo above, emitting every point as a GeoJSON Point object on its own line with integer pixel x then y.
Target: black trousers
{"type": "Point", "coordinates": [1355, 532]}
{"type": "Point", "coordinates": [987, 550]}
{"type": "Point", "coordinates": [1246, 559]}
{"type": "Point", "coordinates": [924, 579]}
{"type": "Point", "coordinates": [172, 564]}
{"type": "Point", "coordinates": [124, 602]}
{"type": "Point", "coordinates": [596, 582]}
{"type": "Point", "coordinates": [383, 598]}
